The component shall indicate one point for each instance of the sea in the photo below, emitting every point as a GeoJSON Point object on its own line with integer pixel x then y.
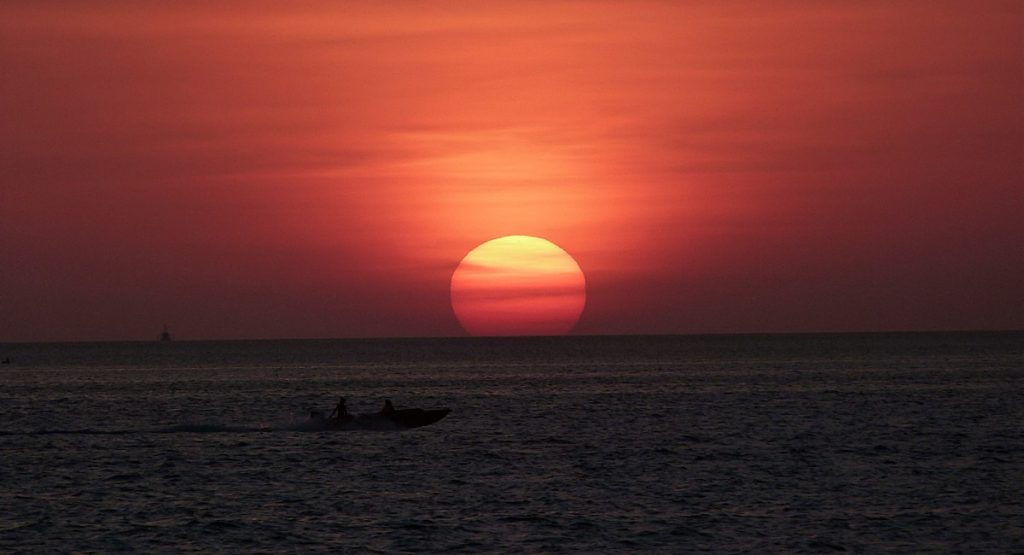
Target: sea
{"type": "Point", "coordinates": [865, 443]}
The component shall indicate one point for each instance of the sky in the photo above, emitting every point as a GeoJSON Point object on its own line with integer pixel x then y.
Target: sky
{"type": "Point", "coordinates": [244, 170]}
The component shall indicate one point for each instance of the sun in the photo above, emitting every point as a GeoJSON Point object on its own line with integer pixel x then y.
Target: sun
{"type": "Point", "coordinates": [518, 285]}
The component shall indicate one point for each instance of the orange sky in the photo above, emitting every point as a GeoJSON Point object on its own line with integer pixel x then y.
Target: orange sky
{"type": "Point", "coordinates": [318, 169]}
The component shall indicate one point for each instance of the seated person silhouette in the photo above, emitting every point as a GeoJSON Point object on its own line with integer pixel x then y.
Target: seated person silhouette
{"type": "Point", "coordinates": [340, 412]}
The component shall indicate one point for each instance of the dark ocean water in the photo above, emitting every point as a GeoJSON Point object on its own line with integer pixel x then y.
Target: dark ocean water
{"type": "Point", "coordinates": [804, 443]}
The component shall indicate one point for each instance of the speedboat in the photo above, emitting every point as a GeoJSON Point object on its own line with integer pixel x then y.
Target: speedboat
{"type": "Point", "coordinates": [402, 419]}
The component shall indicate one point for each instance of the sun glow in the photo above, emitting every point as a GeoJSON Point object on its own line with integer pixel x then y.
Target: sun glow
{"type": "Point", "coordinates": [518, 285]}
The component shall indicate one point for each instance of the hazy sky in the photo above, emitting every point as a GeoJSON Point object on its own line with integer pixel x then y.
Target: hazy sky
{"type": "Point", "coordinates": [318, 169]}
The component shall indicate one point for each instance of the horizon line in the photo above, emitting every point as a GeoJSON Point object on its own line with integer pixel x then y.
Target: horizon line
{"type": "Point", "coordinates": [523, 337]}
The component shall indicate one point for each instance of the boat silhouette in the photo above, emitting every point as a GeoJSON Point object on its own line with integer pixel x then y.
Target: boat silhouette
{"type": "Point", "coordinates": [401, 419]}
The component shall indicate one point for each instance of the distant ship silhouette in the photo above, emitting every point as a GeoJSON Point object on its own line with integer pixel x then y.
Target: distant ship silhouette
{"type": "Point", "coordinates": [166, 335]}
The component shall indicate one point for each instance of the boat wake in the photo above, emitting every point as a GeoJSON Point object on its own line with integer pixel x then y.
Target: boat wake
{"type": "Point", "coordinates": [178, 429]}
{"type": "Point", "coordinates": [364, 422]}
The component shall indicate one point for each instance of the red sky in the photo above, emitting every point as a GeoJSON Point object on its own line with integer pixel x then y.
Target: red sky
{"type": "Point", "coordinates": [318, 169]}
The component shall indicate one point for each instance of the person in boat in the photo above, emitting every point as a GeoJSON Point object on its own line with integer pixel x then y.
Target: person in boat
{"type": "Point", "coordinates": [340, 411]}
{"type": "Point", "coordinates": [388, 407]}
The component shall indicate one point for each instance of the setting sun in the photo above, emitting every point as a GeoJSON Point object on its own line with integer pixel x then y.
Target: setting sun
{"type": "Point", "coordinates": [518, 285]}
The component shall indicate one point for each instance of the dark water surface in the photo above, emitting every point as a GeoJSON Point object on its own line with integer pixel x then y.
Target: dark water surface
{"type": "Point", "coordinates": [813, 443]}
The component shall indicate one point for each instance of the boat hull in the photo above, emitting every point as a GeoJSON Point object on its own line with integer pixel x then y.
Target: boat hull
{"type": "Point", "coordinates": [403, 419]}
